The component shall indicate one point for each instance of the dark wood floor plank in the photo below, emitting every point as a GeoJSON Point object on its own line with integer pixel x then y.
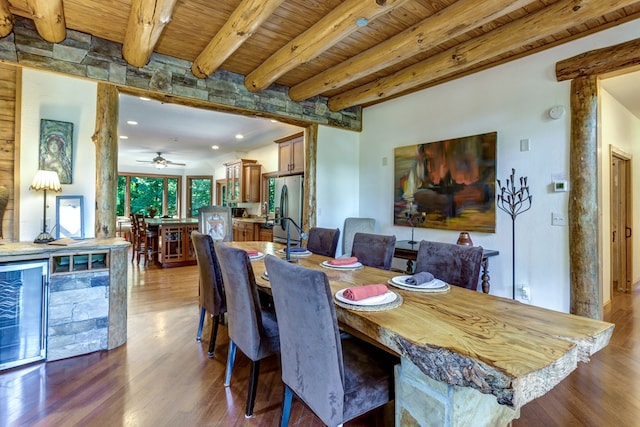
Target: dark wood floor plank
{"type": "Point", "coordinates": [162, 375]}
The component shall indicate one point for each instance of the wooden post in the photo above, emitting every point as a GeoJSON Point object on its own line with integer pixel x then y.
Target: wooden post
{"type": "Point", "coordinates": [586, 298]}
{"type": "Point", "coordinates": [311, 152]}
{"type": "Point", "coordinates": [105, 139]}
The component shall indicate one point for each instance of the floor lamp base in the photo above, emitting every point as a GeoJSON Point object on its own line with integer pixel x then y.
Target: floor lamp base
{"type": "Point", "coordinates": [44, 237]}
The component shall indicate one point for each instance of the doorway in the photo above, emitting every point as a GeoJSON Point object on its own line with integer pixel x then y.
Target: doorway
{"type": "Point", "coordinates": [621, 219]}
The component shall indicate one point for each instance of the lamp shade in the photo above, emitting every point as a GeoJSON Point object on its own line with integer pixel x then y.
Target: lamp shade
{"type": "Point", "coordinates": [46, 180]}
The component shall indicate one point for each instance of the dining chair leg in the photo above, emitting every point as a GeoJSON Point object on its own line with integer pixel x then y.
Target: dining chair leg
{"type": "Point", "coordinates": [253, 386]}
{"type": "Point", "coordinates": [202, 313]}
{"type": "Point", "coordinates": [230, 359]}
{"type": "Point", "coordinates": [214, 335]}
{"type": "Point", "coordinates": [286, 406]}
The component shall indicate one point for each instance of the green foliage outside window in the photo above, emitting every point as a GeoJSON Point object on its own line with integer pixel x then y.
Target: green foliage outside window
{"type": "Point", "coordinates": [145, 193]}
{"type": "Point", "coordinates": [200, 195]}
{"type": "Point", "coordinates": [122, 182]}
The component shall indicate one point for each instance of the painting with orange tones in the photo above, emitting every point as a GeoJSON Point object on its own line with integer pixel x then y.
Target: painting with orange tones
{"type": "Point", "coordinates": [449, 184]}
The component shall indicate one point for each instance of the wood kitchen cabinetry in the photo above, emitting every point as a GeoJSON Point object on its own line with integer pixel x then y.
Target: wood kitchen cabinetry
{"type": "Point", "coordinates": [245, 231]}
{"type": "Point", "coordinates": [243, 181]}
{"type": "Point", "coordinates": [175, 244]}
{"type": "Point", "coordinates": [291, 154]}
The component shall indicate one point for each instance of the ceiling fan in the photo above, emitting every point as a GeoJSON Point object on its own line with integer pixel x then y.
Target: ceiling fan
{"type": "Point", "coordinates": [160, 162]}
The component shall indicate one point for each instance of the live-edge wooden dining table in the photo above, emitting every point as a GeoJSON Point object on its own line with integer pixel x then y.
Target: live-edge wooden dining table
{"type": "Point", "coordinates": [467, 358]}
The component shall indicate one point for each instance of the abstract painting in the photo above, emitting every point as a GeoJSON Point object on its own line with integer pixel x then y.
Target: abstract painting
{"type": "Point", "coordinates": [448, 184]}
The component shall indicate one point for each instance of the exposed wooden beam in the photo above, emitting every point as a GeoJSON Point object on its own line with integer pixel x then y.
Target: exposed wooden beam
{"type": "Point", "coordinates": [600, 61]}
{"type": "Point", "coordinates": [333, 27]}
{"type": "Point", "coordinates": [146, 22]}
{"type": "Point", "coordinates": [241, 25]}
{"type": "Point", "coordinates": [6, 18]}
{"type": "Point", "coordinates": [447, 24]}
{"type": "Point", "coordinates": [466, 55]}
{"type": "Point", "coordinates": [48, 16]}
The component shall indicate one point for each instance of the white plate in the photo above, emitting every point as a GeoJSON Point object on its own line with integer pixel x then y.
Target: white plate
{"type": "Point", "coordinates": [346, 267]}
{"type": "Point", "coordinates": [256, 257]}
{"type": "Point", "coordinates": [385, 298]}
{"type": "Point", "coordinates": [401, 280]}
{"type": "Point", "coordinates": [293, 253]}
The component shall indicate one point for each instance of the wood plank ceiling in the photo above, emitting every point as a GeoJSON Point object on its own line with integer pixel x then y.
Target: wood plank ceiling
{"type": "Point", "coordinates": [356, 52]}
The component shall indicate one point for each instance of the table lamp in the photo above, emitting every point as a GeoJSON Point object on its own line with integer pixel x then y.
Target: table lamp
{"type": "Point", "coordinates": [45, 180]}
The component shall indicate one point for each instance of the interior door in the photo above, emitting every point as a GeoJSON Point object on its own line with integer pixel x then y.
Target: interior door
{"type": "Point", "coordinates": [621, 231]}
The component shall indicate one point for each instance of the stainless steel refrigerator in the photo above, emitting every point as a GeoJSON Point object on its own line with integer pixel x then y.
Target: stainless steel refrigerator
{"type": "Point", "coordinates": [288, 203]}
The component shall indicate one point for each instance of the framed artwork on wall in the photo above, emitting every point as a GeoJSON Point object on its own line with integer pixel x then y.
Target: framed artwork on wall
{"type": "Point", "coordinates": [70, 217]}
{"type": "Point", "coordinates": [56, 149]}
{"type": "Point", "coordinates": [449, 184]}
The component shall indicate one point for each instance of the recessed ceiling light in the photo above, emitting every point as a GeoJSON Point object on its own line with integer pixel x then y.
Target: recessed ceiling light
{"type": "Point", "coordinates": [274, 121]}
{"type": "Point", "coordinates": [144, 98]}
{"type": "Point", "coordinates": [214, 147]}
{"type": "Point", "coordinates": [132, 122]}
{"type": "Point", "coordinates": [124, 137]}
{"type": "Point", "coordinates": [239, 136]}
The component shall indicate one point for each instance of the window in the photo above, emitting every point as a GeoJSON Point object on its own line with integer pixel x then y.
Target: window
{"type": "Point", "coordinates": [199, 193]}
{"type": "Point", "coordinates": [148, 194]}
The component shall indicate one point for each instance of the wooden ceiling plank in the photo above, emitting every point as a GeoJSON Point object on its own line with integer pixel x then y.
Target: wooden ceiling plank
{"type": "Point", "coordinates": [6, 18]}
{"type": "Point", "coordinates": [447, 24]}
{"type": "Point", "coordinates": [333, 27]}
{"type": "Point", "coordinates": [600, 61]}
{"type": "Point", "coordinates": [146, 21]}
{"type": "Point", "coordinates": [48, 16]}
{"type": "Point", "coordinates": [465, 56]}
{"type": "Point", "coordinates": [241, 25]}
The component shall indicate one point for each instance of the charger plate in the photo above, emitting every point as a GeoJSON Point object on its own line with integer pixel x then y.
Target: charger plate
{"type": "Point", "coordinates": [398, 284]}
{"type": "Point", "coordinates": [397, 302]}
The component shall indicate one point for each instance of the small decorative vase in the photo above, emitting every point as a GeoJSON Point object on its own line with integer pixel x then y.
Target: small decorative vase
{"type": "Point", "coordinates": [464, 239]}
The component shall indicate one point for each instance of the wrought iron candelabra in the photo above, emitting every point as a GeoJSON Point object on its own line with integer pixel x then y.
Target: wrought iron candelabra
{"type": "Point", "coordinates": [413, 219]}
{"type": "Point", "coordinates": [514, 202]}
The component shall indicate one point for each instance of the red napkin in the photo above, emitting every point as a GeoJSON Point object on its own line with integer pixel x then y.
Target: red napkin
{"type": "Point", "coordinates": [343, 261]}
{"type": "Point", "coordinates": [367, 291]}
{"type": "Point", "coordinates": [253, 253]}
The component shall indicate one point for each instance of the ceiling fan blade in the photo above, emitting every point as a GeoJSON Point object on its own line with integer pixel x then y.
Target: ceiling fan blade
{"type": "Point", "coordinates": [145, 161]}
{"type": "Point", "coordinates": [169, 162]}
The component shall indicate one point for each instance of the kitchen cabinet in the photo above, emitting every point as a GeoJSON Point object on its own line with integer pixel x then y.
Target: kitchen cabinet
{"type": "Point", "coordinates": [243, 181]}
{"type": "Point", "coordinates": [176, 247]}
{"type": "Point", "coordinates": [291, 154]}
{"type": "Point", "coordinates": [243, 231]}
{"type": "Point", "coordinates": [265, 234]}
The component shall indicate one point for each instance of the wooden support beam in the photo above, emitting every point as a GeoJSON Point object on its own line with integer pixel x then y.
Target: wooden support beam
{"type": "Point", "coordinates": [48, 16]}
{"type": "Point", "coordinates": [586, 298]}
{"type": "Point", "coordinates": [6, 19]}
{"type": "Point", "coordinates": [105, 139]}
{"type": "Point", "coordinates": [600, 61]}
{"type": "Point", "coordinates": [146, 22]}
{"type": "Point", "coordinates": [333, 27]}
{"type": "Point", "coordinates": [455, 20]}
{"type": "Point", "coordinates": [241, 25]}
{"type": "Point", "coordinates": [466, 55]}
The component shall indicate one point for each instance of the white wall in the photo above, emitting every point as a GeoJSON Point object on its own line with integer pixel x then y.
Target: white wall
{"type": "Point", "coordinates": [619, 129]}
{"type": "Point", "coordinates": [512, 99]}
{"type": "Point", "coordinates": [55, 97]}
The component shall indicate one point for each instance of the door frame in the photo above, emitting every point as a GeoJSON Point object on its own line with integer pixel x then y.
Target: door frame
{"type": "Point", "coordinates": [627, 247]}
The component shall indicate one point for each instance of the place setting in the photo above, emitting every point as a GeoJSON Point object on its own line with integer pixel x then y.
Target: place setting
{"type": "Point", "coordinates": [295, 252]}
{"type": "Point", "coordinates": [419, 282]}
{"type": "Point", "coordinates": [375, 297]}
{"type": "Point", "coordinates": [350, 263]}
{"type": "Point", "coordinates": [254, 255]}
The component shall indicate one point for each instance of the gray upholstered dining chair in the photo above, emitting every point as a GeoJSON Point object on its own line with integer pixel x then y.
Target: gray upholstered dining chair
{"type": "Point", "coordinates": [353, 226]}
{"type": "Point", "coordinates": [374, 250]}
{"type": "Point", "coordinates": [455, 264]}
{"type": "Point", "coordinates": [211, 295]}
{"type": "Point", "coordinates": [337, 377]}
{"type": "Point", "coordinates": [323, 241]}
{"type": "Point", "coordinates": [252, 330]}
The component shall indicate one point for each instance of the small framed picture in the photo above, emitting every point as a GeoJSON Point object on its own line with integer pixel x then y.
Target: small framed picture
{"type": "Point", "coordinates": [56, 149]}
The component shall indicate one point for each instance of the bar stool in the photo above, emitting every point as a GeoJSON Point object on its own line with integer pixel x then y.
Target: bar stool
{"type": "Point", "coordinates": [147, 240]}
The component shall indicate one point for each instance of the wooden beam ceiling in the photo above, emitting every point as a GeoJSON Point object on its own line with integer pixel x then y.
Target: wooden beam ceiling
{"type": "Point", "coordinates": [146, 22]}
{"type": "Point", "coordinates": [317, 48]}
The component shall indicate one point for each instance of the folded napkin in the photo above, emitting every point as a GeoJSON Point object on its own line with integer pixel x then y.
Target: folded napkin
{"type": "Point", "coordinates": [253, 253]}
{"type": "Point", "coordinates": [419, 279]}
{"type": "Point", "coordinates": [343, 261]}
{"type": "Point", "coordinates": [367, 291]}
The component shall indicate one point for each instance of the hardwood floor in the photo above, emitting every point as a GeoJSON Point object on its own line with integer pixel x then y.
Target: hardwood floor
{"type": "Point", "coordinates": [162, 376]}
